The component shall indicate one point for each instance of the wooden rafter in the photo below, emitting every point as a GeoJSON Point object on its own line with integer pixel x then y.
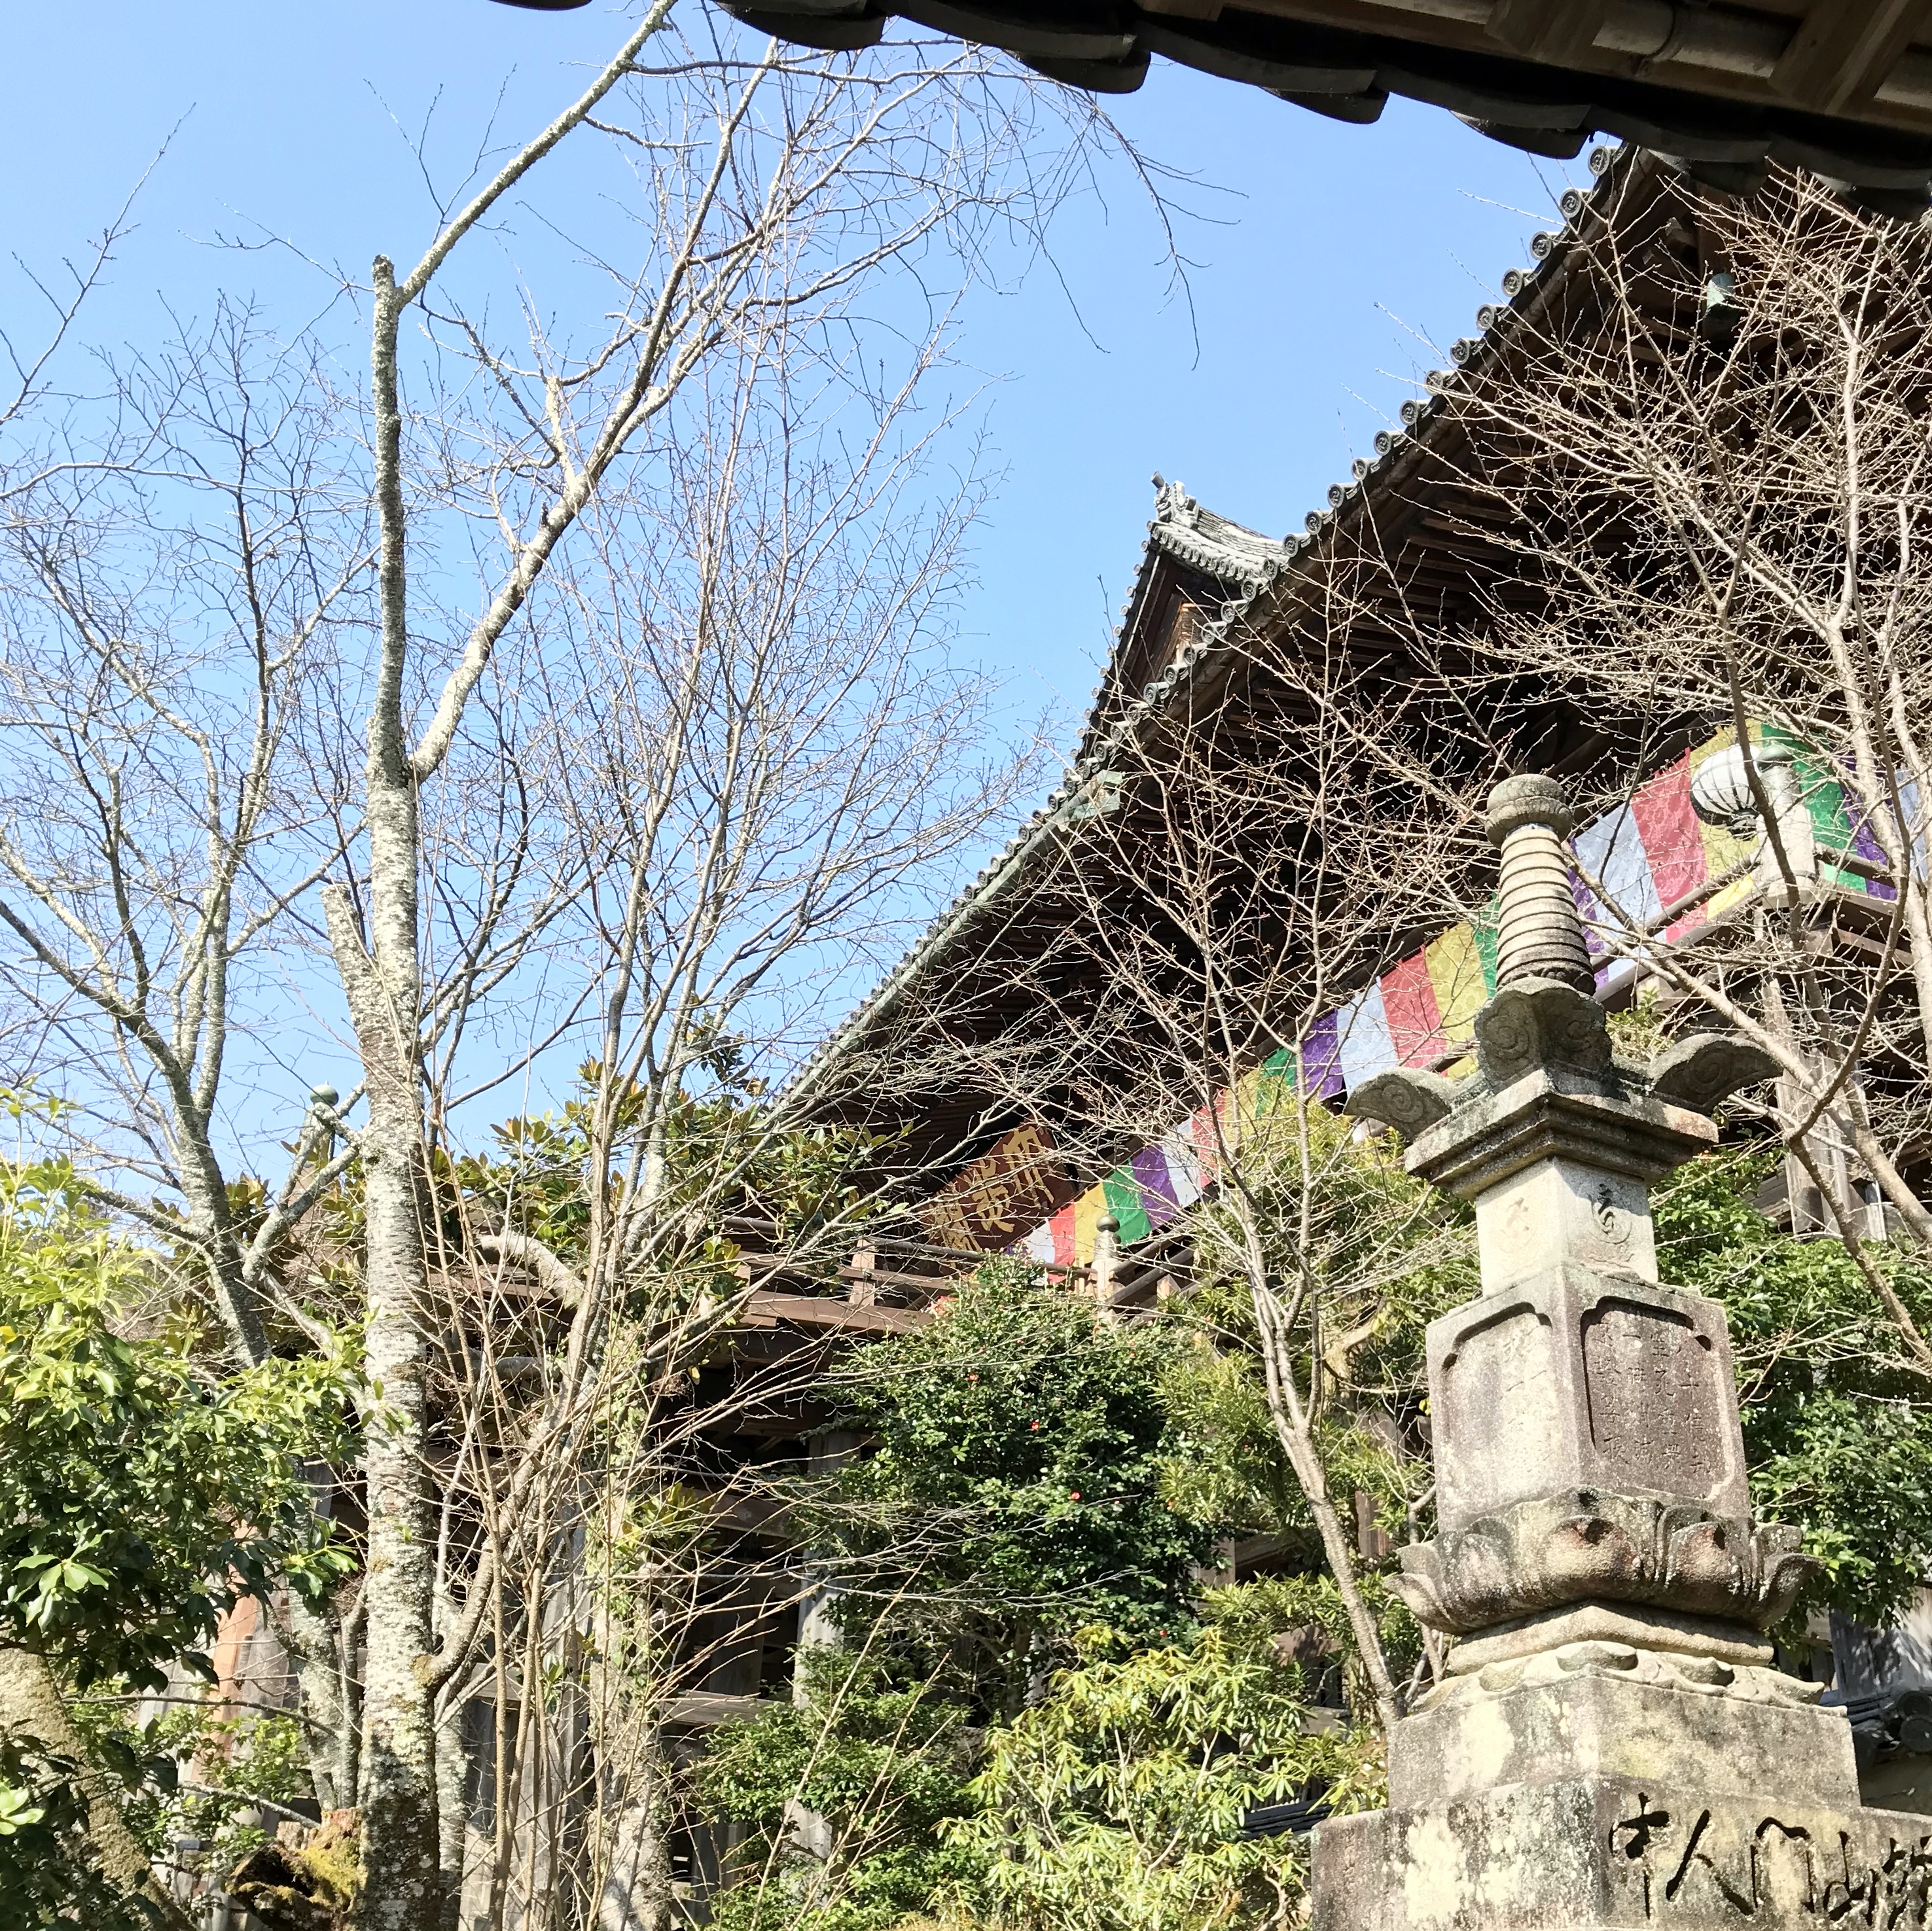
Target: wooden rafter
{"type": "Point", "coordinates": [1842, 53]}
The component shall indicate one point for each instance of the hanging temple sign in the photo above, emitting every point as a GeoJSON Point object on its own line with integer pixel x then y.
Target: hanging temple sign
{"type": "Point", "coordinates": [1611, 1744]}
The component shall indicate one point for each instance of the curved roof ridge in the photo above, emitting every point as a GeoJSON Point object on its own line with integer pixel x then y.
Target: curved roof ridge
{"type": "Point", "coordinates": [1236, 555]}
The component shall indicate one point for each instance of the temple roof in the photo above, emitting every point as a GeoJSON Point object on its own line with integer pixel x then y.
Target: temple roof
{"type": "Point", "coordinates": [1192, 560]}
{"type": "Point", "coordinates": [1223, 549]}
{"type": "Point", "coordinates": [1226, 571]}
{"type": "Point", "coordinates": [1842, 87]}
{"type": "Point", "coordinates": [1218, 629]}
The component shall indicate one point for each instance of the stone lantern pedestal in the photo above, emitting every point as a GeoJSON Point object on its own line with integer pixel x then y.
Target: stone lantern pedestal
{"type": "Point", "coordinates": [1611, 1745]}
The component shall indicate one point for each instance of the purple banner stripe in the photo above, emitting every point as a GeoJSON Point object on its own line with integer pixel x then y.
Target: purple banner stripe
{"type": "Point", "coordinates": [1150, 1172]}
{"type": "Point", "coordinates": [1321, 1059]}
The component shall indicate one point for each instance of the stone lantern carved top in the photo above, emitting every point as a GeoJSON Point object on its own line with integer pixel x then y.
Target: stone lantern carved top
{"type": "Point", "coordinates": [1538, 934]}
{"type": "Point", "coordinates": [1707, 1067]}
{"type": "Point", "coordinates": [1517, 803]}
{"type": "Point", "coordinates": [1553, 1109]}
{"type": "Point", "coordinates": [1409, 1101]}
{"type": "Point", "coordinates": [1547, 1084]}
{"type": "Point", "coordinates": [1536, 1022]}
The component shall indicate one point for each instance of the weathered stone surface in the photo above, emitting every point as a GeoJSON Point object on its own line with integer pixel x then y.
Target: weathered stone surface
{"type": "Point", "coordinates": [1537, 931]}
{"type": "Point", "coordinates": [1597, 1547]}
{"type": "Point", "coordinates": [1590, 1485]}
{"type": "Point", "coordinates": [1405, 1098]}
{"type": "Point", "coordinates": [1700, 1071]}
{"type": "Point", "coordinates": [1576, 1379]}
{"type": "Point", "coordinates": [1538, 1022]}
{"type": "Point", "coordinates": [1586, 1216]}
{"type": "Point", "coordinates": [1605, 1119]}
{"type": "Point", "coordinates": [1634, 1624]}
{"type": "Point", "coordinates": [1607, 1710]}
{"type": "Point", "coordinates": [1622, 1852]}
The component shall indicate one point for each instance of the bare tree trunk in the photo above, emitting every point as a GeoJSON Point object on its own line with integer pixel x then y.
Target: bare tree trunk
{"type": "Point", "coordinates": [636, 1885]}
{"type": "Point", "coordinates": [317, 1647]}
{"type": "Point", "coordinates": [398, 1784]}
{"type": "Point", "coordinates": [452, 1777]}
{"type": "Point", "coordinates": [382, 981]}
{"type": "Point", "coordinates": [31, 1705]}
{"type": "Point", "coordinates": [1294, 1430]}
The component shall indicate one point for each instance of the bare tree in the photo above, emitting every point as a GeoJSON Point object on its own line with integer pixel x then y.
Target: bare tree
{"type": "Point", "coordinates": [175, 591]}
{"type": "Point", "coordinates": [756, 758]}
{"type": "Point", "coordinates": [656, 789]}
{"type": "Point", "coordinates": [774, 193]}
{"type": "Point", "coordinates": [1168, 957]}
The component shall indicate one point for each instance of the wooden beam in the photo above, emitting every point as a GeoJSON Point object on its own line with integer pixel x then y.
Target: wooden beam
{"type": "Point", "coordinates": [820, 1311]}
{"type": "Point", "coordinates": [1844, 50]}
{"type": "Point", "coordinates": [1183, 10]}
{"type": "Point", "coordinates": [1562, 32]}
{"type": "Point", "coordinates": [926, 1283]}
{"type": "Point", "coordinates": [704, 1709]}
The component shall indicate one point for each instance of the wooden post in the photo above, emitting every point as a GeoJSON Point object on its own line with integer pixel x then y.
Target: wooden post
{"type": "Point", "coordinates": [1106, 1258]}
{"type": "Point", "coordinates": [864, 1291]}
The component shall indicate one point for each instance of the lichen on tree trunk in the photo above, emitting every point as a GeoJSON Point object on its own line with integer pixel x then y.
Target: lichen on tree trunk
{"type": "Point", "coordinates": [397, 1792]}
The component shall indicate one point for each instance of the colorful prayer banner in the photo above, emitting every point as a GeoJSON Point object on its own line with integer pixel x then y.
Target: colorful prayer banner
{"type": "Point", "coordinates": [1649, 855]}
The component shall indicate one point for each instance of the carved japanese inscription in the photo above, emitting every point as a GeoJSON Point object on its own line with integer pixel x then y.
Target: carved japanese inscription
{"type": "Point", "coordinates": [1502, 1405]}
{"type": "Point", "coordinates": [1654, 1404]}
{"type": "Point", "coordinates": [1703, 1865]}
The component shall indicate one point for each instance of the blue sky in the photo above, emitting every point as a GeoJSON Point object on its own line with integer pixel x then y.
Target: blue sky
{"type": "Point", "coordinates": [1332, 258]}
{"type": "Point", "coordinates": [1326, 258]}
{"type": "Point", "coordinates": [1331, 265]}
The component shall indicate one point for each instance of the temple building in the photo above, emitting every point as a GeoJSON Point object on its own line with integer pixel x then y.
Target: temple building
{"type": "Point", "coordinates": [1231, 643]}
{"type": "Point", "coordinates": [1225, 635]}
{"type": "Point", "coordinates": [1209, 679]}
{"type": "Point", "coordinates": [1233, 649]}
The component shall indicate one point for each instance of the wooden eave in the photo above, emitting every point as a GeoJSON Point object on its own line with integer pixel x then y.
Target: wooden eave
{"type": "Point", "coordinates": [1843, 87]}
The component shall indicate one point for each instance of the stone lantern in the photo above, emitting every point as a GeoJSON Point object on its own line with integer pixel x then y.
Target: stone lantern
{"type": "Point", "coordinates": [1612, 1744]}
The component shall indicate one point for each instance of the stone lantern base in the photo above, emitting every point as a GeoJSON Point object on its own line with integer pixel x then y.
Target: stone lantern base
{"type": "Point", "coordinates": [1601, 1784]}
{"type": "Point", "coordinates": [1599, 1851]}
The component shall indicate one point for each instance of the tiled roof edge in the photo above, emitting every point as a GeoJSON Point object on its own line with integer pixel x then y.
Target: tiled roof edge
{"type": "Point", "coordinates": [1467, 356]}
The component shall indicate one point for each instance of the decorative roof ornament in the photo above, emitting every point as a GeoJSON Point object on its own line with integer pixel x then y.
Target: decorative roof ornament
{"type": "Point", "coordinates": [1172, 504]}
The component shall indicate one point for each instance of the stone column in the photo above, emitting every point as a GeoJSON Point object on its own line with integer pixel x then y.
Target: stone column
{"type": "Point", "coordinates": [1611, 1744]}
{"type": "Point", "coordinates": [1106, 1259]}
